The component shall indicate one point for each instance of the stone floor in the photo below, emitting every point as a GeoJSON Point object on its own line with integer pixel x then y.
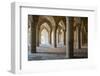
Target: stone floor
{"type": "Point", "coordinates": [81, 53]}
{"type": "Point", "coordinates": [46, 56]}
{"type": "Point", "coordinates": [78, 53]}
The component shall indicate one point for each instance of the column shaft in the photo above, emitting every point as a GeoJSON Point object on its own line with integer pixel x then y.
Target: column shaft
{"type": "Point", "coordinates": [33, 38]}
{"type": "Point", "coordinates": [69, 41]}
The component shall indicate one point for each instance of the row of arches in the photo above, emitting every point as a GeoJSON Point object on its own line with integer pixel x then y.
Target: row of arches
{"type": "Point", "coordinates": [80, 32]}
{"type": "Point", "coordinates": [50, 33]}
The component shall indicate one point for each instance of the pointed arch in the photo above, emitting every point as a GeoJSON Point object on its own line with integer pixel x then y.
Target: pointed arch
{"type": "Point", "coordinates": [44, 37]}
{"type": "Point", "coordinates": [50, 22]}
{"type": "Point", "coordinates": [61, 34]}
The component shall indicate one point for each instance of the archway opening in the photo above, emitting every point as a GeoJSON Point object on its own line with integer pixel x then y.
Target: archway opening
{"type": "Point", "coordinates": [44, 37]}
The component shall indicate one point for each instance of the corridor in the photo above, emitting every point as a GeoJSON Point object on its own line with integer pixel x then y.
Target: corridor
{"type": "Point", "coordinates": [57, 37]}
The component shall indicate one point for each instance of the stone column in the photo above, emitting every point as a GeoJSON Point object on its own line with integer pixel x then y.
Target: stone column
{"type": "Point", "coordinates": [37, 36]}
{"type": "Point", "coordinates": [53, 38]}
{"type": "Point", "coordinates": [69, 41]}
{"type": "Point", "coordinates": [29, 33]}
{"type": "Point", "coordinates": [78, 38]}
{"type": "Point", "coordinates": [57, 38]}
{"type": "Point", "coordinates": [64, 37]}
{"type": "Point", "coordinates": [55, 45]}
{"type": "Point", "coordinates": [78, 34]}
{"type": "Point", "coordinates": [33, 37]}
{"type": "Point", "coordinates": [50, 37]}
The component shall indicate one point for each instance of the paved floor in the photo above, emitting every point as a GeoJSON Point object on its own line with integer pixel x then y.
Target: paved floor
{"type": "Point", "coordinates": [78, 53]}
{"type": "Point", "coordinates": [46, 56]}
